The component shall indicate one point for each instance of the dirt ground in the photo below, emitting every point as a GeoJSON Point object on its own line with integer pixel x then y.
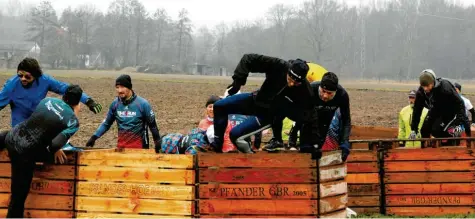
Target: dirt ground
{"type": "Point", "coordinates": [179, 102]}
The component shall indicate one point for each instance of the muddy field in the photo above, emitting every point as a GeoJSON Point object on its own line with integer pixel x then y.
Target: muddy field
{"type": "Point", "coordinates": [179, 101]}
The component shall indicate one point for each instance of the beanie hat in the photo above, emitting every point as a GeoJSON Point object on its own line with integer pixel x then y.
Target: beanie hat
{"type": "Point", "coordinates": [298, 70]}
{"type": "Point", "coordinates": [211, 100]}
{"type": "Point", "coordinates": [124, 80]}
{"type": "Point", "coordinates": [458, 86]}
{"type": "Point", "coordinates": [412, 93]}
{"type": "Point", "coordinates": [73, 94]}
{"type": "Point", "coordinates": [329, 81]}
{"type": "Point", "coordinates": [30, 65]}
{"type": "Point", "coordinates": [427, 77]}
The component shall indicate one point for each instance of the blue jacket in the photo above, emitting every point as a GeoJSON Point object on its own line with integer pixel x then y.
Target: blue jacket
{"type": "Point", "coordinates": [23, 101]}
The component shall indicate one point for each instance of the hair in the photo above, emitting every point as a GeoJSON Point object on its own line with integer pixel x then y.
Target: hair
{"type": "Point", "coordinates": [30, 65]}
{"type": "Point", "coordinates": [73, 94]}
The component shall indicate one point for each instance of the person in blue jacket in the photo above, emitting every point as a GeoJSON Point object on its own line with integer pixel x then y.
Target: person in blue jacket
{"type": "Point", "coordinates": [24, 91]}
{"type": "Point", "coordinates": [134, 115]}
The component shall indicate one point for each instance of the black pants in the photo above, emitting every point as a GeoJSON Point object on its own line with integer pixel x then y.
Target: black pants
{"type": "Point", "coordinates": [437, 127]}
{"type": "Point", "coordinates": [22, 175]}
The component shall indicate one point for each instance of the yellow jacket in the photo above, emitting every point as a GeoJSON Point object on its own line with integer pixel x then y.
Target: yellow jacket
{"type": "Point", "coordinates": [405, 118]}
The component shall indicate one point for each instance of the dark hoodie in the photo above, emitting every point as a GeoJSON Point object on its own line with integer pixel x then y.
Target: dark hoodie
{"type": "Point", "coordinates": [443, 101]}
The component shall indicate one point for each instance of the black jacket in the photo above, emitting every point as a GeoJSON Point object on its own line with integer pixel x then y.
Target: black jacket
{"type": "Point", "coordinates": [443, 101]}
{"type": "Point", "coordinates": [274, 86]}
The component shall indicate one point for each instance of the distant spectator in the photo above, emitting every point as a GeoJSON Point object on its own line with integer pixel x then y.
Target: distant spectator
{"type": "Point", "coordinates": [468, 105]}
{"type": "Point", "coordinates": [405, 119]}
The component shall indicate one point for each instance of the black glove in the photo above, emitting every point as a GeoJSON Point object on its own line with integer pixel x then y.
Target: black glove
{"type": "Point", "coordinates": [344, 153]}
{"type": "Point", "coordinates": [93, 106]}
{"type": "Point", "coordinates": [235, 87]}
{"type": "Point", "coordinates": [91, 141]}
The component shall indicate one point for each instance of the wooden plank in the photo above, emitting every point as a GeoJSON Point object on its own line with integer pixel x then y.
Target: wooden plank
{"type": "Point", "coordinates": [134, 205]}
{"type": "Point", "coordinates": [429, 211]}
{"type": "Point", "coordinates": [427, 154]}
{"type": "Point", "coordinates": [334, 203]}
{"type": "Point", "coordinates": [258, 207]}
{"type": "Point", "coordinates": [44, 202]}
{"type": "Point", "coordinates": [422, 166]}
{"type": "Point", "coordinates": [262, 175]}
{"type": "Point", "coordinates": [425, 189]}
{"type": "Point", "coordinates": [49, 158]}
{"type": "Point", "coordinates": [429, 177]}
{"type": "Point", "coordinates": [337, 214]}
{"type": "Point", "coordinates": [374, 132]}
{"type": "Point", "coordinates": [428, 200]}
{"type": "Point", "coordinates": [265, 160]}
{"type": "Point", "coordinates": [332, 173]}
{"type": "Point", "coordinates": [131, 174]}
{"type": "Point", "coordinates": [362, 156]}
{"type": "Point", "coordinates": [41, 186]}
{"type": "Point", "coordinates": [363, 167]}
{"type": "Point", "coordinates": [363, 201]}
{"type": "Point", "coordinates": [254, 216]}
{"type": "Point", "coordinates": [362, 178]}
{"type": "Point", "coordinates": [41, 214]}
{"type": "Point", "coordinates": [363, 189]}
{"type": "Point", "coordinates": [132, 159]}
{"type": "Point", "coordinates": [365, 210]}
{"type": "Point", "coordinates": [333, 188]}
{"type": "Point", "coordinates": [258, 191]}
{"type": "Point", "coordinates": [124, 190]}
{"type": "Point", "coordinates": [330, 158]}
{"type": "Point", "coordinates": [108, 215]}
{"type": "Point", "coordinates": [65, 172]}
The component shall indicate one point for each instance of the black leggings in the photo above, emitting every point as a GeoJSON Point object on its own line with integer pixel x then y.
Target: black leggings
{"type": "Point", "coordinates": [22, 175]}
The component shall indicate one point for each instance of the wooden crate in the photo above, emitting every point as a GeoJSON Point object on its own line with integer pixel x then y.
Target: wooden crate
{"type": "Point", "coordinates": [135, 183]}
{"type": "Point", "coordinates": [364, 187]}
{"type": "Point", "coordinates": [371, 133]}
{"type": "Point", "coordinates": [266, 185]}
{"type": "Point", "coordinates": [51, 192]}
{"type": "Point", "coordinates": [333, 188]}
{"type": "Point", "coordinates": [430, 181]}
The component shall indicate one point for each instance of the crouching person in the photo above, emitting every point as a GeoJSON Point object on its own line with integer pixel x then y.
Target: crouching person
{"type": "Point", "coordinates": [48, 129]}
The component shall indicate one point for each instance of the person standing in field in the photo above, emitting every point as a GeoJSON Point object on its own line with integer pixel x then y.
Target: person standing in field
{"type": "Point", "coordinates": [285, 83]}
{"type": "Point", "coordinates": [405, 119]}
{"type": "Point", "coordinates": [468, 105]}
{"type": "Point", "coordinates": [134, 116]}
{"type": "Point", "coordinates": [446, 116]}
{"type": "Point", "coordinates": [24, 91]}
{"type": "Point", "coordinates": [41, 135]}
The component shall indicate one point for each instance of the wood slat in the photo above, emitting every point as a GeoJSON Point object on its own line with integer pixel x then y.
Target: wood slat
{"type": "Point", "coordinates": [41, 186]}
{"type": "Point", "coordinates": [429, 166]}
{"type": "Point", "coordinates": [363, 201]}
{"type": "Point", "coordinates": [337, 214]}
{"type": "Point", "coordinates": [259, 160]}
{"type": "Point", "coordinates": [258, 191]}
{"type": "Point", "coordinates": [428, 200]}
{"type": "Point", "coordinates": [125, 190]}
{"type": "Point", "coordinates": [134, 159]}
{"type": "Point", "coordinates": [48, 159]}
{"type": "Point", "coordinates": [430, 211]}
{"type": "Point", "coordinates": [363, 167]}
{"type": "Point", "coordinates": [425, 189]}
{"type": "Point", "coordinates": [363, 189]}
{"type": "Point", "coordinates": [332, 173]}
{"type": "Point", "coordinates": [262, 175]}
{"type": "Point", "coordinates": [109, 215]}
{"type": "Point", "coordinates": [330, 158]}
{"type": "Point", "coordinates": [365, 210]}
{"type": "Point", "coordinates": [430, 177]}
{"type": "Point", "coordinates": [258, 207]}
{"type": "Point", "coordinates": [333, 188]}
{"type": "Point", "coordinates": [428, 154]}
{"type": "Point", "coordinates": [43, 202]}
{"type": "Point", "coordinates": [41, 214]}
{"type": "Point", "coordinates": [131, 174]}
{"type": "Point", "coordinates": [64, 172]}
{"type": "Point", "coordinates": [362, 156]}
{"type": "Point", "coordinates": [334, 203]}
{"type": "Point", "coordinates": [134, 205]}
{"type": "Point", "coordinates": [362, 178]}
{"type": "Point", "coordinates": [254, 216]}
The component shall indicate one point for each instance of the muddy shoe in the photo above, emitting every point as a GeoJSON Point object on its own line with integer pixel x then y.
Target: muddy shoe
{"type": "Point", "coordinates": [275, 145]}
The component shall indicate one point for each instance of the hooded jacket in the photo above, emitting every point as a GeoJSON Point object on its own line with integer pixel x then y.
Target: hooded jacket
{"type": "Point", "coordinates": [443, 101]}
{"type": "Point", "coordinates": [405, 119]}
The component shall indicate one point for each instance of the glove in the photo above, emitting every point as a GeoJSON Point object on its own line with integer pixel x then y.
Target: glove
{"type": "Point", "coordinates": [91, 141]}
{"type": "Point", "coordinates": [93, 106]}
{"type": "Point", "coordinates": [473, 124]}
{"type": "Point", "coordinates": [413, 135]}
{"type": "Point", "coordinates": [345, 151]}
{"type": "Point", "coordinates": [235, 87]}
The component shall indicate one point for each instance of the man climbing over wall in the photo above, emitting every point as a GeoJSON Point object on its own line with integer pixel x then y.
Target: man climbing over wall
{"type": "Point", "coordinates": [468, 105]}
{"type": "Point", "coordinates": [446, 116]}
{"type": "Point", "coordinates": [405, 119]}
{"type": "Point", "coordinates": [134, 116]}
{"type": "Point", "coordinates": [285, 92]}
{"type": "Point", "coordinates": [24, 91]}
{"type": "Point", "coordinates": [43, 134]}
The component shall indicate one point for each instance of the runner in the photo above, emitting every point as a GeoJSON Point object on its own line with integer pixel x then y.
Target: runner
{"type": "Point", "coordinates": [285, 81]}
{"type": "Point", "coordinates": [48, 128]}
{"type": "Point", "coordinates": [405, 119]}
{"type": "Point", "coordinates": [134, 116]}
{"type": "Point", "coordinates": [468, 105]}
{"type": "Point", "coordinates": [446, 116]}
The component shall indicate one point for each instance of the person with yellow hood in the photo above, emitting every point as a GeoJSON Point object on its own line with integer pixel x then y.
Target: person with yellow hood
{"type": "Point", "coordinates": [405, 119]}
